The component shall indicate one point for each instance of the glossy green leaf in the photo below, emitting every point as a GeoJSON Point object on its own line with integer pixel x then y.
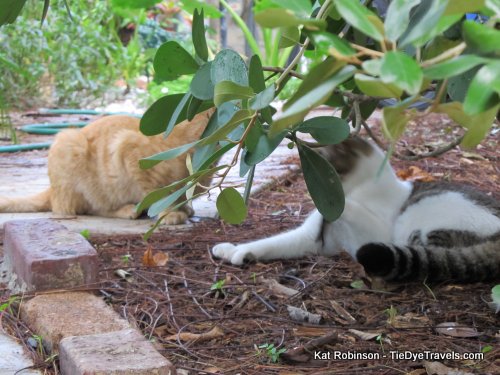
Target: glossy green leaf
{"type": "Point", "coordinates": [394, 121]}
{"type": "Point", "coordinates": [311, 99]}
{"type": "Point", "coordinates": [202, 86]}
{"type": "Point", "coordinates": [323, 183]}
{"type": "Point", "coordinates": [327, 130]}
{"type": "Point", "coordinates": [226, 91]}
{"type": "Point", "coordinates": [372, 66]}
{"type": "Point", "coordinates": [279, 17]}
{"type": "Point", "coordinates": [158, 194]}
{"type": "Point", "coordinates": [443, 24]}
{"type": "Point", "coordinates": [237, 119]}
{"type": "Point", "coordinates": [453, 67]}
{"type": "Point", "coordinates": [9, 10]}
{"type": "Point", "coordinates": [437, 46]}
{"type": "Point", "coordinates": [190, 5]}
{"type": "Point", "coordinates": [316, 76]}
{"type": "Point", "coordinates": [463, 6]}
{"type": "Point", "coordinates": [398, 18]}
{"type": "Point", "coordinates": [155, 119]}
{"type": "Point", "coordinates": [152, 160]}
{"type": "Point", "coordinates": [301, 8]}
{"type": "Point", "coordinates": [255, 74]}
{"type": "Point", "coordinates": [229, 66]}
{"type": "Point", "coordinates": [401, 70]}
{"type": "Point", "coordinates": [161, 205]}
{"type": "Point", "coordinates": [263, 98]}
{"type": "Point", "coordinates": [424, 18]}
{"type": "Point", "coordinates": [289, 37]}
{"type": "Point", "coordinates": [483, 90]}
{"type": "Point", "coordinates": [193, 107]}
{"type": "Point", "coordinates": [481, 37]}
{"type": "Point", "coordinates": [198, 35]}
{"type": "Point", "coordinates": [375, 87]}
{"type": "Point", "coordinates": [231, 206]}
{"type": "Point", "coordinates": [458, 85]}
{"type": "Point", "coordinates": [360, 18]}
{"type": "Point", "coordinates": [326, 42]}
{"type": "Point", "coordinates": [179, 114]}
{"type": "Point", "coordinates": [172, 60]}
{"type": "Point", "coordinates": [263, 148]}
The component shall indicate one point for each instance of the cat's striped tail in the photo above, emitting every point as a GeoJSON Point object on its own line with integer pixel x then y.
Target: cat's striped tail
{"type": "Point", "coordinates": [35, 203]}
{"type": "Point", "coordinates": [418, 262]}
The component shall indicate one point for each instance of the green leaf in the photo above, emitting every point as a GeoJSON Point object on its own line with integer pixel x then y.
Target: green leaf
{"type": "Point", "coordinates": [299, 7]}
{"type": "Point", "coordinates": [255, 74]}
{"type": "Point", "coordinates": [226, 91]}
{"type": "Point", "coordinates": [198, 35]}
{"type": "Point", "coordinates": [229, 66]}
{"type": "Point", "coordinates": [328, 43]}
{"type": "Point", "coordinates": [375, 87]}
{"type": "Point", "coordinates": [398, 18]}
{"type": "Point", "coordinates": [443, 24]}
{"type": "Point", "coordinates": [152, 160]}
{"type": "Point", "coordinates": [394, 121]}
{"type": "Point", "coordinates": [238, 118]}
{"type": "Point", "coordinates": [302, 105]}
{"type": "Point", "coordinates": [453, 67]}
{"type": "Point", "coordinates": [176, 115]}
{"type": "Point", "coordinates": [360, 18]}
{"type": "Point", "coordinates": [263, 98]}
{"type": "Point", "coordinates": [279, 17]}
{"type": "Point", "coordinates": [495, 296]}
{"type": "Point", "coordinates": [263, 148]}
{"type": "Point", "coordinates": [424, 18]}
{"type": "Point", "coordinates": [202, 86]}
{"type": "Point", "coordinates": [463, 6]}
{"type": "Point", "coordinates": [323, 183]}
{"type": "Point", "coordinates": [172, 60]}
{"type": "Point", "coordinates": [134, 4]}
{"type": "Point", "coordinates": [401, 70]}
{"type": "Point", "coordinates": [161, 205]}
{"type": "Point", "coordinates": [327, 130]}
{"type": "Point", "coordinates": [155, 119]}
{"type": "Point", "coordinates": [193, 107]}
{"type": "Point", "coordinates": [458, 85]}
{"type": "Point", "coordinates": [289, 37]}
{"type": "Point", "coordinates": [315, 77]}
{"type": "Point", "coordinates": [372, 66]}
{"type": "Point", "coordinates": [483, 90]}
{"type": "Point", "coordinates": [481, 37]}
{"type": "Point", "coordinates": [190, 6]}
{"type": "Point", "coordinates": [9, 10]}
{"type": "Point", "coordinates": [231, 206]}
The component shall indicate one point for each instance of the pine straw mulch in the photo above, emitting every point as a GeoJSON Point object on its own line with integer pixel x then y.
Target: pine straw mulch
{"type": "Point", "coordinates": [207, 326]}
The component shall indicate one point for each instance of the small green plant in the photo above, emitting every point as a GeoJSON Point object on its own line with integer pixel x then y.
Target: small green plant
{"type": "Point", "coordinates": [380, 340]}
{"type": "Point", "coordinates": [85, 234]}
{"type": "Point", "coordinates": [391, 312]}
{"type": "Point", "coordinates": [39, 344]}
{"type": "Point", "coordinates": [8, 304]}
{"type": "Point", "coordinates": [217, 286]}
{"type": "Point", "coordinates": [486, 349]}
{"type": "Point", "coordinates": [126, 259]}
{"type": "Point", "coordinates": [272, 352]}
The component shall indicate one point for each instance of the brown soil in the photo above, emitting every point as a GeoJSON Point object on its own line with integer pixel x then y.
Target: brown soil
{"type": "Point", "coordinates": [182, 296]}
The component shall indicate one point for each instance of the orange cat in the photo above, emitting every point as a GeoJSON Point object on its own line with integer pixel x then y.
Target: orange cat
{"type": "Point", "coordinates": [95, 170]}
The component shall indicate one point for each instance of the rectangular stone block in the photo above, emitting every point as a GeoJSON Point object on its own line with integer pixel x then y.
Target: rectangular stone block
{"type": "Point", "coordinates": [13, 359]}
{"type": "Point", "coordinates": [125, 352]}
{"type": "Point", "coordinates": [58, 315]}
{"type": "Point", "coordinates": [45, 255]}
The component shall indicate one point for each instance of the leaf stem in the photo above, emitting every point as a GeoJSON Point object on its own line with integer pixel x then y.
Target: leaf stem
{"type": "Point", "coordinates": [453, 52]}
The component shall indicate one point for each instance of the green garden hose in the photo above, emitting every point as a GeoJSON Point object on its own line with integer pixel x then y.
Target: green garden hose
{"type": "Point", "coordinates": [24, 147]}
{"type": "Point", "coordinates": [48, 128]}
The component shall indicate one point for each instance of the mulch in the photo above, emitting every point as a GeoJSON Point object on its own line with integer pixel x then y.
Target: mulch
{"type": "Point", "coordinates": [213, 318]}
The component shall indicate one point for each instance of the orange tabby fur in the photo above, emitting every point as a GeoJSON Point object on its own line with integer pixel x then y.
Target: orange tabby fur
{"type": "Point", "coordinates": [95, 170]}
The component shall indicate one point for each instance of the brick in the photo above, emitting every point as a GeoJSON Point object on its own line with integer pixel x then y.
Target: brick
{"type": "Point", "coordinates": [45, 255]}
{"type": "Point", "coordinates": [115, 353]}
{"type": "Point", "coordinates": [59, 315]}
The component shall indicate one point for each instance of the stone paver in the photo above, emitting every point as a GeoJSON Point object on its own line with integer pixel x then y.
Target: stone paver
{"type": "Point", "coordinates": [125, 352]}
{"type": "Point", "coordinates": [45, 255]}
{"type": "Point", "coordinates": [13, 358]}
{"type": "Point", "coordinates": [59, 315]}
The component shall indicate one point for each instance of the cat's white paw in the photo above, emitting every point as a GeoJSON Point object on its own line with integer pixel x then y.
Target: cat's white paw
{"type": "Point", "coordinates": [230, 253]}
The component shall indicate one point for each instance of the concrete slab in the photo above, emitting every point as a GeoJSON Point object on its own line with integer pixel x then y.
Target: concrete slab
{"type": "Point", "coordinates": [13, 359]}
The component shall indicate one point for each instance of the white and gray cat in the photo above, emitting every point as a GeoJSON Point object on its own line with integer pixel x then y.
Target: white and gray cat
{"type": "Point", "coordinates": [396, 229]}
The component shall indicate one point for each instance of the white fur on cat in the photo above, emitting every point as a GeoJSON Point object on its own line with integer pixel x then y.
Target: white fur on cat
{"type": "Point", "coordinates": [372, 214]}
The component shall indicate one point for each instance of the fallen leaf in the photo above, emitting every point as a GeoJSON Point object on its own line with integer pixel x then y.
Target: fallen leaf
{"type": "Point", "coordinates": [365, 336]}
{"type": "Point", "coordinates": [311, 331]}
{"type": "Point", "coordinates": [278, 289]}
{"type": "Point", "coordinates": [154, 260]}
{"type": "Point", "coordinates": [127, 276]}
{"type": "Point", "coordinates": [473, 155]}
{"type": "Point", "coordinates": [409, 320]}
{"type": "Point", "coordinates": [437, 368]}
{"type": "Point", "coordinates": [300, 315]}
{"type": "Point", "coordinates": [456, 330]}
{"type": "Point", "coordinates": [414, 173]}
{"type": "Point", "coordinates": [342, 312]}
{"type": "Point", "coordinates": [188, 336]}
